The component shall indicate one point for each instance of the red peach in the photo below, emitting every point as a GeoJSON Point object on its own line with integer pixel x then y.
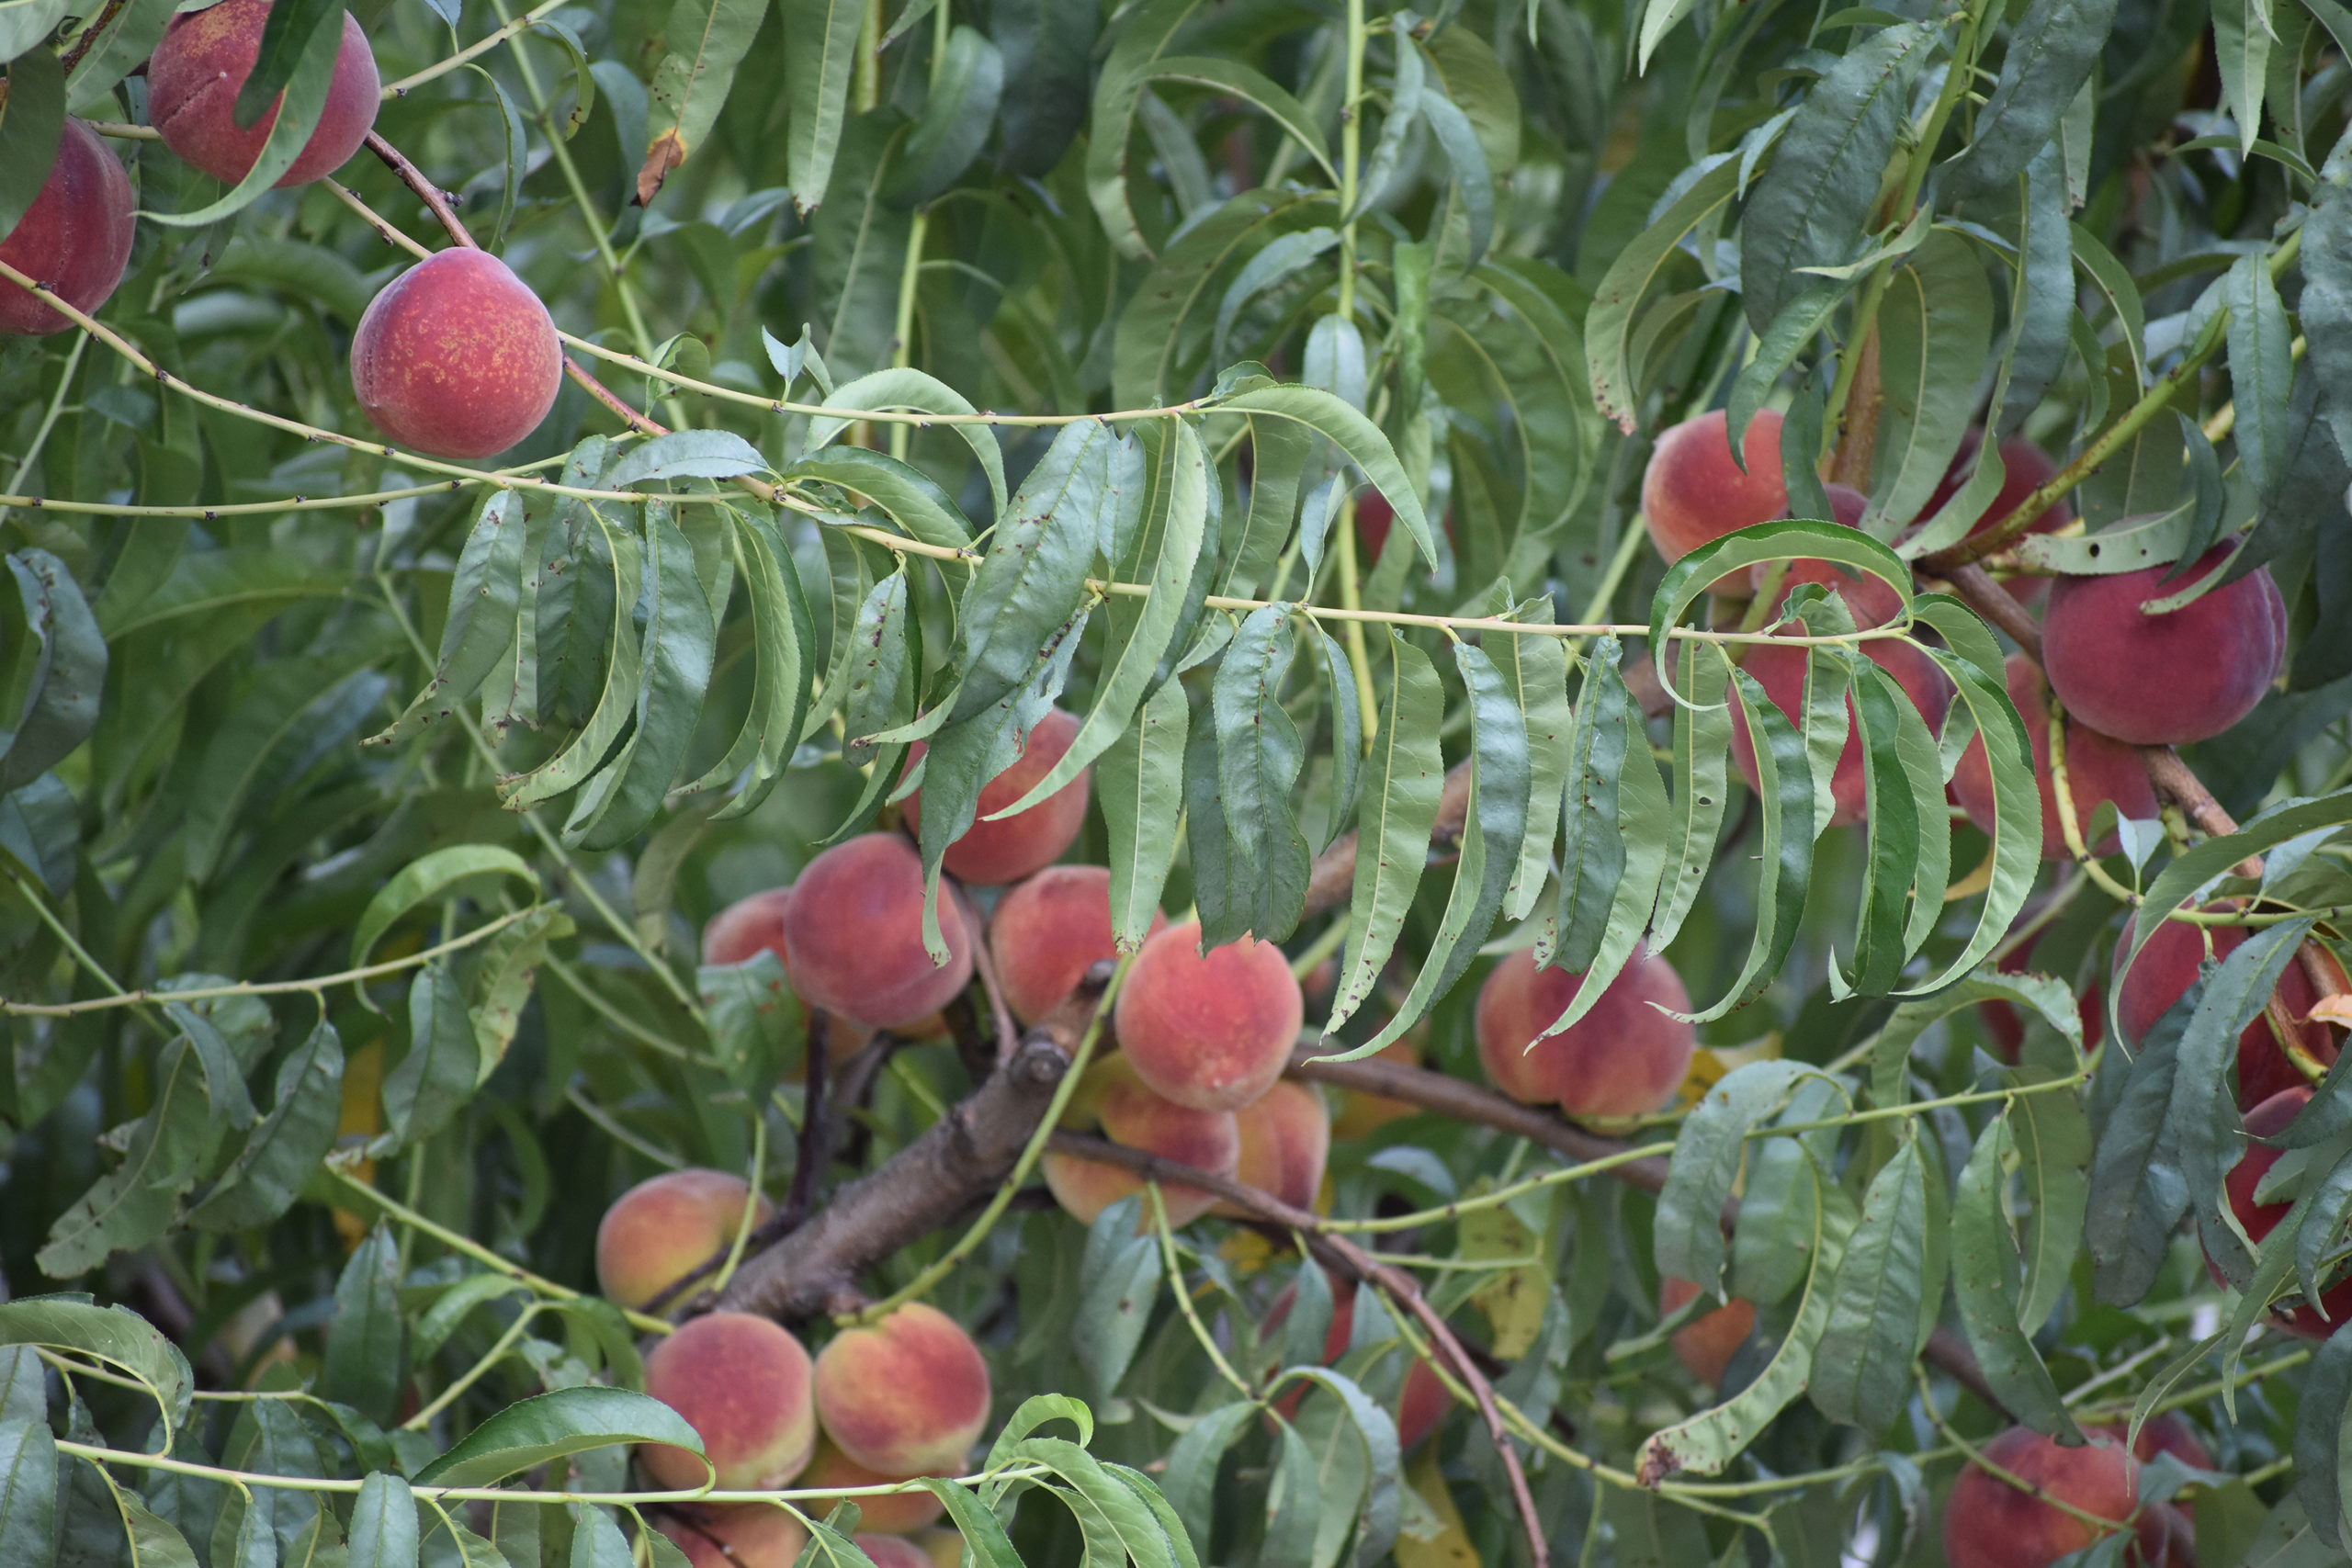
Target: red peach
{"type": "Point", "coordinates": [747, 1535]}
{"type": "Point", "coordinates": [661, 1228]}
{"type": "Point", "coordinates": [1048, 930]}
{"type": "Point", "coordinates": [75, 237]}
{"type": "Point", "coordinates": [1126, 1112]}
{"type": "Point", "coordinates": [751, 925]}
{"type": "Point", "coordinates": [201, 65]}
{"type": "Point", "coordinates": [1007, 850]}
{"type": "Point", "coordinates": [1209, 1031]}
{"type": "Point", "coordinates": [2269, 1119]}
{"type": "Point", "coordinates": [2164, 680]}
{"type": "Point", "coordinates": [1285, 1138]}
{"type": "Point", "coordinates": [744, 1384]}
{"type": "Point", "coordinates": [2025, 468]}
{"type": "Point", "coordinates": [1706, 1343]}
{"type": "Point", "coordinates": [892, 1513]}
{"type": "Point", "coordinates": [2099, 768]}
{"type": "Point", "coordinates": [1988, 1523]}
{"type": "Point", "coordinates": [854, 929]}
{"type": "Point", "coordinates": [1693, 492]}
{"type": "Point", "coordinates": [2168, 965]}
{"type": "Point", "coordinates": [906, 1396]}
{"type": "Point", "coordinates": [456, 357]}
{"type": "Point", "coordinates": [1624, 1057]}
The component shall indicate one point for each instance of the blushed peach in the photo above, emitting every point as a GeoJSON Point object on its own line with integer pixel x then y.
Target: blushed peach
{"type": "Point", "coordinates": [1210, 1032]}
{"type": "Point", "coordinates": [2268, 1120]}
{"type": "Point", "coordinates": [1048, 930]}
{"type": "Point", "coordinates": [2164, 680]}
{"type": "Point", "coordinates": [893, 1551]}
{"type": "Point", "coordinates": [1125, 1111]}
{"type": "Point", "coordinates": [854, 930]}
{"type": "Point", "coordinates": [1285, 1138]}
{"type": "Point", "coordinates": [1694, 493]}
{"type": "Point", "coordinates": [2099, 768]}
{"type": "Point", "coordinates": [744, 1384]}
{"type": "Point", "coordinates": [1706, 1343]}
{"type": "Point", "coordinates": [906, 1396]}
{"type": "Point", "coordinates": [661, 1228]}
{"type": "Point", "coordinates": [892, 1513]}
{"type": "Point", "coordinates": [754, 924]}
{"type": "Point", "coordinates": [1988, 1523]}
{"type": "Point", "coordinates": [456, 357]}
{"type": "Point", "coordinates": [745, 1535]}
{"type": "Point", "coordinates": [75, 237]}
{"type": "Point", "coordinates": [1624, 1057]}
{"type": "Point", "coordinates": [1009, 850]}
{"type": "Point", "coordinates": [201, 65]}
{"type": "Point", "coordinates": [2164, 972]}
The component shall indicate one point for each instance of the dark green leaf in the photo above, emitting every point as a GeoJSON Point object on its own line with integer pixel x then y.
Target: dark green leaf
{"type": "Point", "coordinates": [1404, 778]}
{"type": "Point", "coordinates": [261, 1183]}
{"type": "Point", "coordinates": [551, 1426]}
{"type": "Point", "coordinates": [62, 695]}
{"type": "Point", "coordinates": [1984, 1276]}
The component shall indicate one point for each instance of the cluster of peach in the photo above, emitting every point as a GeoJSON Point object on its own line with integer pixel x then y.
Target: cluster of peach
{"type": "Point", "coordinates": [456, 357]}
{"type": "Point", "coordinates": [905, 1398]}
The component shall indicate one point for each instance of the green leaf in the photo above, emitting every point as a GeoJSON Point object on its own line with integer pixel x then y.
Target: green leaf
{"type": "Point", "coordinates": [439, 874]}
{"type": "Point", "coordinates": [821, 55]}
{"type": "Point", "coordinates": [1140, 782]}
{"type": "Point", "coordinates": [67, 675]}
{"type": "Point", "coordinates": [1935, 330]}
{"type": "Point", "coordinates": [363, 1366]}
{"type": "Point", "coordinates": [25, 25]}
{"type": "Point", "coordinates": [2052, 1137]}
{"type": "Point", "coordinates": [1787, 789]}
{"type": "Point", "coordinates": [1193, 1463]}
{"type": "Point", "coordinates": [114, 1335]}
{"type": "Point", "coordinates": [2242, 39]}
{"type": "Point", "coordinates": [1707, 1442]}
{"type": "Point", "coordinates": [1145, 35]}
{"type": "Point", "coordinates": [135, 1204]}
{"type": "Point", "coordinates": [2261, 370]}
{"type": "Point", "coordinates": [1048, 48]}
{"type": "Point", "coordinates": [920, 393]}
{"type": "Point", "coordinates": [34, 126]}
{"type": "Point", "coordinates": [1356, 437]}
{"type": "Point", "coordinates": [1259, 758]}
{"type": "Point", "coordinates": [912, 498]}
{"type": "Point", "coordinates": [2197, 866]}
{"type": "Point", "coordinates": [28, 1479]}
{"type": "Point", "coordinates": [2050, 53]}
{"type": "Point", "coordinates": [1616, 302]}
{"type": "Point", "coordinates": [1817, 196]}
{"type": "Point", "coordinates": [1890, 1052]}
{"type": "Point", "coordinates": [551, 1426]}
{"type": "Point", "coordinates": [1121, 1274]}
{"type": "Point", "coordinates": [966, 86]}
{"type": "Point", "coordinates": [2325, 306]}
{"type": "Point", "coordinates": [298, 111]}
{"type": "Point", "coordinates": [1688, 579]}
{"type": "Point", "coordinates": [1451, 128]}
{"type": "Point", "coordinates": [2137, 1187]}
{"type": "Point", "coordinates": [284, 38]}
{"type": "Point", "coordinates": [503, 982]}
{"type": "Point", "coordinates": [706, 42]}
{"type": "Point", "coordinates": [262, 1181]}
{"type": "Point", "coordinates": [1165, 550]}
{"type": "Point", "coordinates": [1702, 785]}
{"type": "Point", "coordinates": [1984, 1278]}
{"type": "Point", "coordinates": [1535, 669]}
{"type": "Point", "coordinates": [1593, 853]}
{"type": "Point", "coordinates": [1709, 1153]}
{"type": "Point", "coordinates": [1404, 778]}
{"type": "Point", "coordinates": [785, 642]}
{"type": "Point", "coordinates": [1802, 317]}
{"type": "Point", "coordinates": [2320, 1451]}
{"type": "Point", "coordinates": [483, 596]}
{"type": "Point", "coordinates": [1232, 79]}
{"type": "Point", "coordinates": [438, 1074]}
{"type": "Point", "coordinates": [1900, 841]}
{"type": "Point", "coordinates": [1861, 1371]}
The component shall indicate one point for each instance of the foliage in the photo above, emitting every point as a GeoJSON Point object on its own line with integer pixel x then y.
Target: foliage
{"type": "Point", "coordinates": [362, 808]}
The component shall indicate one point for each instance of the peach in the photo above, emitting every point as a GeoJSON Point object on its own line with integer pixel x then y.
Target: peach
{"type": "Point", "coordinates": [854, 929]}
{"type": "Point", "coordinates": [744, 1384]}
{"type": "Point", "coordinates": [1622, 1058]}
{"type": "Point", "coordinates": [455, 357]}
{"type": "Point", "coordinates": [1693, 492]}
{"type": "Point", "coordinates": [1705, 1344]}
{"type": "Point", "coordinates": [1211, 1030]}
{"type": "Point", "coordinates": [894, 1552]}
{"type": "Point", "coordinates": [751, 925]}
{"type": "Point", "coordinates": [660, 1229]}
{"type": "Point", "coordinates": [747, 1535]}
{"type": "Point", "coordinates": [2099, 768]}
{"type": "Point", "coordinates": [1115, 1101]}
{"type": "Point", "coordinates": [1048, 930]}
{"type": "Point", "coordinates": [1374, 518]}
{"type": "Point", "coordinates": [2165, 968]}
{"type": "Point", "coordinates": [1420, 1404]}
{"type": "Point", "coordinates": [75, 237]}
{"type": "Point", "coordinates": [2170, 1433]}
{"type": "Point", "coordinates": [2268, 1120]}
{"type": "Point", "coordinates": [1363, 1114]}
{"type": "Point", "coordinates": [201, 65]}
{"type": "Point", "coordinates": [991, 852]}
{"type": "Point", "coordinates": [1988, 1523]}
{"type": "Point", "coordinates": [1285, 1138]}
{"type": "Point", "coordinates": [906, 1396]}
{"type": "Point", "coordinates": [2164, 680]}
{"type": "Point", "coordinates": [892, 1513]}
